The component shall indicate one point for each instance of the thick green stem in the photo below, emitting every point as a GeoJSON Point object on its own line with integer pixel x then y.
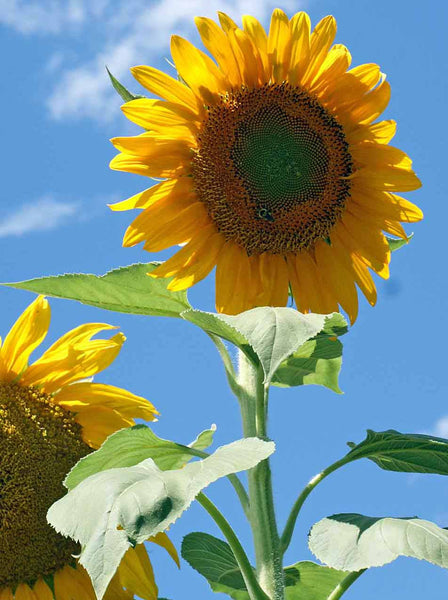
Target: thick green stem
{"type": "Point", "coordinates": [345, 584]}
{"type": "Point", "coordinates": [253, 402]}
{"type": "Point", "coordinates": [253, 587]}
{"type": "Point", "coordinates": [290, 524]}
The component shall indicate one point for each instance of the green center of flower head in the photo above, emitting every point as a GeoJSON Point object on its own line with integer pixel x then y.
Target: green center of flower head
{"type": "Point", "coordinates": [39, 443]}
{"type": "Point", "coordinates": [280, 158]}
{"type": "Point", "coordinates": [272, 167]}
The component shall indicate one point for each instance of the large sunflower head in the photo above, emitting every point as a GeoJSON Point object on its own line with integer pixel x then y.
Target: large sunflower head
{"type": "Point", "coordinates": [276, 169]}
{"type": "Point", "coordinates": [49, 419]}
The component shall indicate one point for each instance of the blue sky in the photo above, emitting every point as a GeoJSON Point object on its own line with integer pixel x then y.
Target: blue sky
{"type": "Point", "coordinates": [59, 113]}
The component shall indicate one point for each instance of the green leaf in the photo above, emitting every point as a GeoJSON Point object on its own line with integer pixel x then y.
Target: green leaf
{"type": "Point", "coordinates": [397, 243]}
{"type": "Point", "coordinates": [126, 290]}
{"type": "Point", "coordinates": [129, 447]}
{"type": "Point", "coordinates": [318, 361]}
{"type": "Point", "coordinates": [121, 90]}
{"type": "Point", "coordinates": [351, 542]}
{"type": "Point", "coordinates": [204, 439]}
{"type": "Point", "coordinates": [215, 561]}
{"type": "Point", "coordinates": [404, 452]}
{"type": "Point", "coordinates": [313, 581]}
{"type": "Point", "coordinates": [111, 511]}
{"type": "Point", "coordinates": [272, 334]}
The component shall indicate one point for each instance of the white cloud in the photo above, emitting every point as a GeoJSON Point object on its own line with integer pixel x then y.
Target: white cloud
{"type": "Point", "coordinates": [43, 215]}
{"type": "Point", "coordinates": [122, 33]}
{"type": "Point", "coordinates": [440, 428]}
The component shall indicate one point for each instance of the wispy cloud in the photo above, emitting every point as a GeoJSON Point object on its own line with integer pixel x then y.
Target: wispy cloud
{"type": "Point", "coordinates": [42, 215]}
{"type": "Point", "coordinates": [127, 32]}
{"type": "Point", "coordinates": [440, 428]}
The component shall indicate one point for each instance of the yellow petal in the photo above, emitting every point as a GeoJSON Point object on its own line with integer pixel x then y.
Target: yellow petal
{"type": "Point", "coordinates": [334, 66]}
{"type": "Point", "coordinates": [135, 573]}
{"type": "Point", "coordinates": [25, 335]}
{"type": "Point", "coordinates": [163, 163]}
{"type": "Point", "coordinates": [197, 69]}
{"type": "Point", "coordinates": [41, 590]}
{"type": "Point", "coordinates": [227, 23]}
{"type": "Point", "coordinates": [300, 46]}
{"type": "Point", "coordinates": [71, 583]}
{"type": "Point", "coordinates": [388, 205]}
{"type": "Point", "coordinates": [381, 132]}
{"type": "Point", "coordinates": [338, 278]}
{"type": "Point", "coordinates": [259, 39]}
{"type": "Point", "coordinates": [370, 154]}
{"type": "Point", "coordinates": [359, 270]}
{"type": "Point", "coordinates": [167, 118]}
{"type": "Point", "coordinates": [350, 89]}
{"type": "Point", "coordinates": [369, 244]}
{"type": "Point", "coordinates": [320, 43]}
{"type": "Point", "coordinates": [6, 594]}
{"type": "Point", "coordinates": [299, 293]}
{"type": "Point", "coordinates": [99, 422]}
{"type": "Point", "coordinates": [217, 43]}
{"type": "Point", "coordinates": [274, 278]}
{"type": "Point", "coordinates": [161, 539]}
{"type": "Point", "coordinates": [181, 228]}
{"type": "Point", "coordinates": [246, 57]}
{"type": "Point", "coordinates": [279, 45]}
{"type": "Point", "coordinates": [233, 280]}
{"type": "Point", "coordinates": [164, 86]}
{"type": "Point", "coordinates": [386, 178]}
{"type": "Point", "coordinates": [372, 105]}
{"type": "Point", "coordinates": [73, 357]}
{"type": "Point", "coordinates": [314, 289]}
{"type": "Point", "coordinates": [79, 397]}
{"type": "Point", "coordinates": [156, 217]}
{"type": "Point", "coordinates": [23, 592]}
{"type": "Point", "coordinates": [164, 189]}
{"type": "Point", "coordinates": [201, 260]}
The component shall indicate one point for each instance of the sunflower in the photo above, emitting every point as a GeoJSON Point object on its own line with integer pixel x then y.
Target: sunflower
{"type": "Point", "coordinates": [274, 166]}
{"type": "Point", "coordinates": [50, 417]}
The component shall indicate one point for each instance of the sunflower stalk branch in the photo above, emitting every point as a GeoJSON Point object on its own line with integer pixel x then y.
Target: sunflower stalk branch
{"type": "Point", "coordinates": [288, 531]}
{"type": "Point", "coordinates": [253, 587]}
{"type": "Point", "coordinates": [253, 403]}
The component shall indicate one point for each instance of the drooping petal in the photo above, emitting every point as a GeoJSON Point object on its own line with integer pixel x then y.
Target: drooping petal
{"type": "Point", "coordinates": [99, 422]}
{"type": "Point", "coordinates": [274, 279]}
{"type": "Point", "coordinates": [73, 357]}
{"type": "Point", "coordinates": [82, 396]}
{"type": "Point", "coordinates": [136, 574]}
{"type": "Point", "coordinates": [161, 539]}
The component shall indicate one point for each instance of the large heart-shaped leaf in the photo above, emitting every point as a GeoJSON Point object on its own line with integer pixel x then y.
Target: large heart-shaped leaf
{"type": "Point", "coordinates": [405, 452]}
{"type": "Point", "coordinates": [131, 446]}
{"type": "Point", "coordinates": [126, 290]}
{"type": "Point", "coordinates": [114, 509]}
{"type": "Point", "coordinates": [351, 542]}
{"type": "Point", "coordinates": [273, 334]}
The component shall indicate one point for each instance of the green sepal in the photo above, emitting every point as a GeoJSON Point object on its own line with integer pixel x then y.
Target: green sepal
{"type": "Point", "coordinates": [397, 243]}
{"type": "Point", "coordinates": [126, 290]}
{"type": "Point", "coordinates": [403, 452]}
{"type": "Point", "coordinates": [125, 94]}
